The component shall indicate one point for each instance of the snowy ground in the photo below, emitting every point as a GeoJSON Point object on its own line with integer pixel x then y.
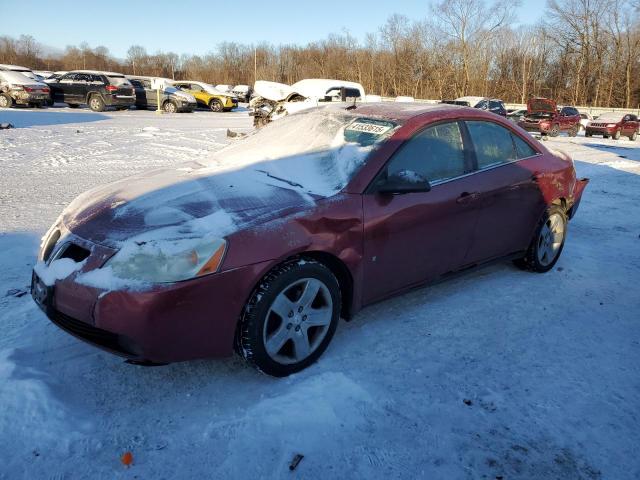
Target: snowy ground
{"type": "Point", "coordinates": [498, 374]}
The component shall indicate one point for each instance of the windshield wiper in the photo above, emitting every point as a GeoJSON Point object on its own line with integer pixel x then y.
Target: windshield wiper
{"type": "Point", "coordinates": [293, 184]}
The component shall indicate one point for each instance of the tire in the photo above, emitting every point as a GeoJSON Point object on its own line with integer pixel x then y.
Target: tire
{"type": "Point", "coordinates": [634, 136]}
{"type": "Point", "coordinates": [555, 131]}
{"type": "Point", "coordinates": [96, 103]}
{"type": "Point", "coordinates": [616, 136]}
{"type": "Point", "coordinates": [215, 105]}
{"type": "Point", "coordinates": [6, 101]}
{"type": "Point", "coordinates": [73, 105]}
{"type": "Point", "coordinates": [574, 131]}
{"type": "Point", "coordinates": [547, 243]}
{"type": "Point", "coordinates": [587, 133]}
{"type": "Point", "coordinates": [170, 107]}
{"type": "Point", "coordinates": [276, 320]}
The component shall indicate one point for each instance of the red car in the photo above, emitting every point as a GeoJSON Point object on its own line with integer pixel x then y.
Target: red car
{"type": "Point", "coordinates": [544, 117]}
{"type": "Point", "coordinates": [614, 125]}
{"type": "Point", "coordinates": [266, 245]}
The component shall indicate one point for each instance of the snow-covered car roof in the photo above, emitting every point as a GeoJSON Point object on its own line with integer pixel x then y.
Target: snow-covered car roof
{"type": "Point", "coordinates": [98, 72]}
{"type": "Point", "coordinates": [473, 101]}
{"type": "Point", "coordinates": [617, 116]}
{"type": "Point", "coordinates": [240, 88]}
{"type": "Point", "coordinates": [18, 78]}
{"type": "Point", "coordinates": [15, 68]}
{"type": "Point", "coordinates": [318, 87]}
{"type": "Point", "coordinates": [207, 86]}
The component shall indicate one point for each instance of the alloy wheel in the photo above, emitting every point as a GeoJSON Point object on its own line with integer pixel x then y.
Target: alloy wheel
{"type": "Point", "coordinates": [297, 321]}
{"type": "Point", "coordinates": [550, 239]}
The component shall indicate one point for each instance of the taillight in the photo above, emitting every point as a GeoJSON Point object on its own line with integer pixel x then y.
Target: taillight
{"type": "Point", "coordinates": [28, 89]}
{"type": "Point", "coordinates": [111, 88]}
{"type": "Point", "coordinates": [45, 90]}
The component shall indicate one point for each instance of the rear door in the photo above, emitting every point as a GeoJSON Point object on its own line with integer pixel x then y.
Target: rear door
{"type": "Point", "coordinates": [416, 237]}
{"type": "Point", "coordinates": [64, 88]}
{"type": "Point", "coordinates": [506, 179]}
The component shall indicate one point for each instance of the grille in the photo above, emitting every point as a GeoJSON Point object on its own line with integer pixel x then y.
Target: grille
{"type": "Point", "coordinates": [91, 334]}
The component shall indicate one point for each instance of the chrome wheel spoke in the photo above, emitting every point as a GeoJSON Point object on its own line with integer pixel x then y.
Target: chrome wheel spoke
{"type": "Point", "coordinates": [301, 345]}
{"type": "Point", "coordinates": [282, 306]}
{"type": "Point", "coordinates": [318, 318]}
{"type": "Point", "coordinates": [277, 340]}
{"type": "Point", "coordinates": [309, 293]}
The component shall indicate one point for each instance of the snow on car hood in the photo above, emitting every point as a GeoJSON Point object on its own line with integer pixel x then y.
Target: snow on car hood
{"type": "Point", "coordinates": [280, 170]}
{"type": "Point", "coordinates": [273, 91]}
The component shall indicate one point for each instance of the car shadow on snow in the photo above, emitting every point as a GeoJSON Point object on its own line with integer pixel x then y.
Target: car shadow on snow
{"type": "Point", "coordinates": [23, 118]}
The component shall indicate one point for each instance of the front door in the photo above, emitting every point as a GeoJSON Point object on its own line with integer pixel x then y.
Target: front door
{"type": "Point", "coordinates": [415, 237]}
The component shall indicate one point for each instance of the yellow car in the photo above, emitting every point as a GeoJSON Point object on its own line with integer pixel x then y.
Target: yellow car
{"type": "Point", "coordinates": [207, 96]}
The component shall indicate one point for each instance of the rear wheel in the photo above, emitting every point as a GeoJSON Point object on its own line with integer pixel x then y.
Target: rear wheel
{"type": "Point", "coordinates": [290, 318]}
{"type": "Point", "coordinates": [215, 105]}
{"type": "Point", "coordinates": [96, 103]}
{"type": "Point", "coordinates": [574, 131]}
{"type": "Point", "coordinates": [547, 243]}
{"type": "Point", "coordinates": [5, 101]}
{"type": "Point", "coordinates": [170, 107]}
{"type": "Point", "coordinates": [616, 136]}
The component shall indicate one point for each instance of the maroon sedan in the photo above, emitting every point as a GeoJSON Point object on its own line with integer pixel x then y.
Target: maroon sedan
{"type": "Point", "coordinates": [614, 125]}
{"type": "Point", "coordinates": [264, 247]}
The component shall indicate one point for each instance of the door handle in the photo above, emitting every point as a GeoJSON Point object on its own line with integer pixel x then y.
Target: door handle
{"type": "Point", "coordinates": [467, 197]}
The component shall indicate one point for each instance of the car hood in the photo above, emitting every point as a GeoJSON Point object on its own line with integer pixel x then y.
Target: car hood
{"type": "Point", "coordinates": [184, 201]}
{"type": "Point", "coordinates": [541, 105]}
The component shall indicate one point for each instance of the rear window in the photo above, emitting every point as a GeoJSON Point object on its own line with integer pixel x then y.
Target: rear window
{"type": "Point", "coordinates": [118, 80]}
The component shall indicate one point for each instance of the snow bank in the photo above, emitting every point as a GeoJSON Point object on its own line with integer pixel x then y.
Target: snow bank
{"type": "Point", "coordinates": [30, 414]}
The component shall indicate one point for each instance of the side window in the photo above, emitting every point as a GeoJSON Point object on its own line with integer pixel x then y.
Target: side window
{"type": "Point", "coordinates": [435, 153]}
{"type": "Point", "coordinates": [83, 77]}
{"type": "Point", "coordinates": [146, 84]}
{"type": "Point", "coordinates": [194, 87]}
{"type": "Point", "coordinates": [481, 104]}
{"type": "Point", "coordinates": [69, 77]}
{"type": "Point", "coordinates": [97, 79]}
{"type": "Point", "coordinates": [135, 83]}
{"type": "Point", "coordinates": [492, 143]}
{"type": "Point", "coordinates": [523, 149]}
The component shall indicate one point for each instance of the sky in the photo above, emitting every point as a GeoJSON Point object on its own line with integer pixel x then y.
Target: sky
{"type": "Point", "coordinates": [196, 26]}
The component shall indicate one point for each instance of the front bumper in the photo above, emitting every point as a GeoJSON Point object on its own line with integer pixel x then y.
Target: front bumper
{"type": "Point", "coordinates": [535, 127]}
{"type": "Point", "coordinates": [186, 106]}
{"type": "Point", "coordinates": [168, 323]}
{"type": "Point", "coordinates": [590, 130]}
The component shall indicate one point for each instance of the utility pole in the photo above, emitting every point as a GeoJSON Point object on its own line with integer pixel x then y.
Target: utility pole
{"type": "Point", "coordinates": [255, 64]}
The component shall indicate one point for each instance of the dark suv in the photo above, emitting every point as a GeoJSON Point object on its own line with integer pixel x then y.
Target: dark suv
{"type": "Point", "coordinates": [97, 89]}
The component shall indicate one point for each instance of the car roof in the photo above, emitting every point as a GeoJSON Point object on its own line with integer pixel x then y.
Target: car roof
{"type": "Point", "coordinates": [98, 72]}
{"type": "Point", "coordinates": [401, 111]}
{"type": "Point", "coordinates": [14, 67]}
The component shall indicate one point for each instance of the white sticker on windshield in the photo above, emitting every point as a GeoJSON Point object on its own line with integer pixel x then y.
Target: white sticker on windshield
{"type": "Point", "coordinates": [368, 128]}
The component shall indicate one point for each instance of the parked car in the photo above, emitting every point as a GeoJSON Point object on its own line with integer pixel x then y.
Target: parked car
{"type": "Point", "coordinates": [224, 88]}
{"type": "Point", "coordinates": [493, 105]}
{"type": "Point", "coordinates": [243, 92]}
{"type": "Point", "coordinates": [95, 88]}
{"type": "Point", "coordinates": [614, 125]}
{"type": "Point", "coordinates": [171, 99]}
{"type": "Point", "coordinates": [265, 245]}
{"type": "Point", "coordinates": [273, 100]}
{"type": "Point", "coordinates": [516, 115]}
{"type": "Point", "coordinates": [18, 89]}
{"type": "Point", "coordinates": [27, 72]}
{"type": "Point", "coordinates": [208, 96]}
{"type": "Point", "coordinates": [585, 118]}
{"type": "Point", "coordinates": [544, 117]}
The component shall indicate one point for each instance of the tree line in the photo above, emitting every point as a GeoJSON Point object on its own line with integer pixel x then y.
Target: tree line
{"type": "Point", "coordinates": [582, 52]}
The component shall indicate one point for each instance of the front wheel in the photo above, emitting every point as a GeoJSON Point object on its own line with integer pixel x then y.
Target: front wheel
{"type": "Point", "coordinates": [634, 136]}
{"type": "Point", "coordinates": [547, 242]}
{"type": "Point", "coordinates": [290, 318]}
{"type": "Point", "coordinates": [616, 136]}
{"type": "Point", "coordinates": [555, 130]}
{"type": "Point", "coordinates": [96, 103]}
{"type": "Point", "coordinates": [215, 105]}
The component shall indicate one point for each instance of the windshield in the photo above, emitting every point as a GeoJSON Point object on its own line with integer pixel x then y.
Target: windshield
{"type": "Point", "coordinates": [611, 116]}
{"type": "Point", "coordinates": [317, 151]}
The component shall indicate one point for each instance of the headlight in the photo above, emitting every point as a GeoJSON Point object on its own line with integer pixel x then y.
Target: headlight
{"type": "Point", "coordinates": [611, 125]}
{"type": "Point", "coordinates": [160, 261]}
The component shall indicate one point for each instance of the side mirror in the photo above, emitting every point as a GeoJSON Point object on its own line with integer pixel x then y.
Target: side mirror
{"type": "Point", "coordinates": [405, 181]}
